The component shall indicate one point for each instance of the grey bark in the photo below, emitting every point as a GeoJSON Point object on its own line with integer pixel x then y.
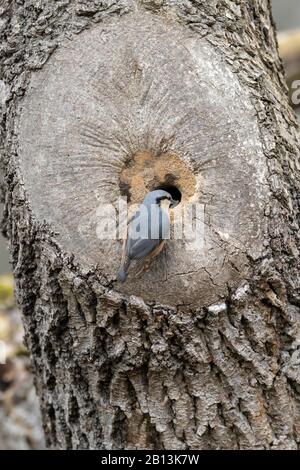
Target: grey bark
{"type": "Point", "coordinates": [210, 360]}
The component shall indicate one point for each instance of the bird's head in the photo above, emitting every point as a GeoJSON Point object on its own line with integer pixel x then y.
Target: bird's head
{"type": "Point", "coordinates": [161, 198]}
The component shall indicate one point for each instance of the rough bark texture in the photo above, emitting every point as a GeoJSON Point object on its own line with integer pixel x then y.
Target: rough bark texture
{"type": "Point", "coordinates": [113, 371]}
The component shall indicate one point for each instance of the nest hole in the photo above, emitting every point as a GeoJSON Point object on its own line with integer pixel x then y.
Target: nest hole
{"type": "Point", "coordinates": [146, 172]}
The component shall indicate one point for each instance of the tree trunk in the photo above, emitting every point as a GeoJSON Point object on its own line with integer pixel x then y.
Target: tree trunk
{"type": "Point", "coordinates": [116, 97]}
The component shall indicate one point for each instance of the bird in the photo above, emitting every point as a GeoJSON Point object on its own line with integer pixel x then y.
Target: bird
{"type": "Point", "coordinates": [147, 230]}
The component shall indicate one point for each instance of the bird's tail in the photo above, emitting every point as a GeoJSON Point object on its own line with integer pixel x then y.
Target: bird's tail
{"type": "Point", "coordinates": [122, 274]}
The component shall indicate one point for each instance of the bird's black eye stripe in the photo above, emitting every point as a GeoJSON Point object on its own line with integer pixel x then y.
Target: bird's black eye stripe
{"type": "Point", "coordinates": [159, 199]}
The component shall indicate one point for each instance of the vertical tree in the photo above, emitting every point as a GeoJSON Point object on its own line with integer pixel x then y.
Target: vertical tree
{"type": "Point", "coordinates": [110, 98]}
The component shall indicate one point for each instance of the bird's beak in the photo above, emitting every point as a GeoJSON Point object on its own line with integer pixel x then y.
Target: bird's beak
{"type": "Point", "coordinates": [173, 204]}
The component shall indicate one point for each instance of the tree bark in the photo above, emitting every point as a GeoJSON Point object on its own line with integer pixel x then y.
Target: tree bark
{"type": "Point", "coordinates": [203, 351]}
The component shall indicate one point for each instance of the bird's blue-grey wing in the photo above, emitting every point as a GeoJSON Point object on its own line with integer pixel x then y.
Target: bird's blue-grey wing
{"type": "Point", "coordinates": [127, 240]}
{"type": "Point", "coordinates": [142, 248]}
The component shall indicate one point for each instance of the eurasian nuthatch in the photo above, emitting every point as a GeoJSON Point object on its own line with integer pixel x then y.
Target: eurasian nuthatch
{"type": "Point", "coordinates": [147, 230]}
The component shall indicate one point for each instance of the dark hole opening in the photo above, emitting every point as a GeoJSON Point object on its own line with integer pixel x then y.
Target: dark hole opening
{"type": "Point", "coordinates": [173, 190]}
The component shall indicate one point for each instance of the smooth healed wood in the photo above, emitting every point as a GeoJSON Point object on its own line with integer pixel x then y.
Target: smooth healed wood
{"type": "Point", "coordinates": [134, 84]}
{"type": "Point", "coordinates": [202, 351]}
